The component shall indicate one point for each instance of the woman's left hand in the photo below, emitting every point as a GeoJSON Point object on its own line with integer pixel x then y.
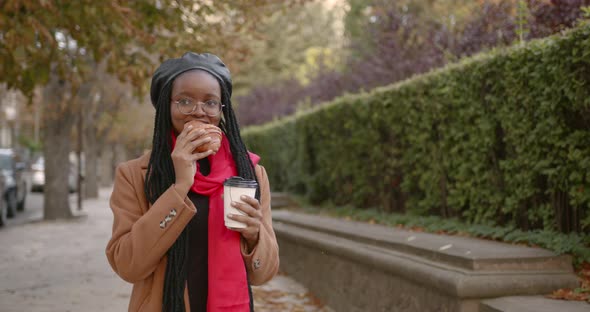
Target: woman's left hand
{"type": "Point", "coordinates": [252, 219]}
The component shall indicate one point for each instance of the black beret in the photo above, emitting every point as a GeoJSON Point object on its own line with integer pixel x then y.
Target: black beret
{"type": "Point", "coordinates": [171, 68]}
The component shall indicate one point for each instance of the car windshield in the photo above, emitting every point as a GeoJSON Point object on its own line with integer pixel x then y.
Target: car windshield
{"type": "Point", "coordinates": [5, 162]}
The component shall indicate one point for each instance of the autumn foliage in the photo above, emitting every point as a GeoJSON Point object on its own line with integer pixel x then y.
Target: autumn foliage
{"type": "Point", "coordinates": [581, 293]}
{"type": "Point", "coordinates": [397, 43]}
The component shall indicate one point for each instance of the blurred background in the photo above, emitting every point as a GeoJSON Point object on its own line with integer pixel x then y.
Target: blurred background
{"type": "Point", "coordinates": [75, 74]}
{"type": "Point", "coordinates": [491, 149]}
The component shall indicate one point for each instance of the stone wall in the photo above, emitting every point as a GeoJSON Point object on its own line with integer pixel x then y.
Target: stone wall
{"type": "Point", "coordinates": [361, 267]}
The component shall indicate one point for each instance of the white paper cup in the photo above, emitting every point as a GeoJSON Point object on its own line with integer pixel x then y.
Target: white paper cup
{"type": "Point", "coordinates": [233, 189]}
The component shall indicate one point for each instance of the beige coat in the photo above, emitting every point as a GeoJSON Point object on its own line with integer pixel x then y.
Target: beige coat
{"type": "Point", "coordinates": [141, 235]}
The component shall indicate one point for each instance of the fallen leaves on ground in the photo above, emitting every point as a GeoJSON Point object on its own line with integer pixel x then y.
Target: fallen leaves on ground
{"type": "Point", "coordinates": [271, 299]}
{"type": "Point", "coordinates": [581, 293]}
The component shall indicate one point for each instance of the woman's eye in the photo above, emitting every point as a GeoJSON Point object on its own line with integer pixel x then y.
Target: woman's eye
{"type": "Point", "coordinates": [212, 103]}
{"type": "Point", "coordinates": [184, 102]}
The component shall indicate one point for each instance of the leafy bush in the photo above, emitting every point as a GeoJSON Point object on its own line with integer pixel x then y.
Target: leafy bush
{"type": "Point", "coordinates": [499, 139]}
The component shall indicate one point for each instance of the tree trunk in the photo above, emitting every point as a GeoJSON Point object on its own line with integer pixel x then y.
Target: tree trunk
{"type": "Point", "coordinates": [58, 121]}
{"type": "Point", "coordinates": [106, 171]}
{"type": "Point", "coordinates": [120, 155]}
{"type": "Point", "coordinates": [91, 152]}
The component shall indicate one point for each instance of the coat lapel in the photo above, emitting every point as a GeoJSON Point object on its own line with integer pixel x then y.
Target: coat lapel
{"type": "Point", "coordinates": [143, 163]}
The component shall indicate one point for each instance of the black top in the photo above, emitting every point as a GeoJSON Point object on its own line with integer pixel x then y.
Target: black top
{"type": "Point", "coordinates": [197, 254]}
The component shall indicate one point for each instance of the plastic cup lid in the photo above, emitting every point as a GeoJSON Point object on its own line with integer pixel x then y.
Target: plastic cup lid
{"type": "Point", "coordinates": [240, 182]}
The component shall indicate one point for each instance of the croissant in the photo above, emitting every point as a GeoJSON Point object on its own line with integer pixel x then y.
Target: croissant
{"type": "Point", "coordinates": [212, 131]}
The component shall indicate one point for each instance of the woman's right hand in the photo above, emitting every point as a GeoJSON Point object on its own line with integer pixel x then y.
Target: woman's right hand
{"type": "Point", "coordinates": [185, 161]}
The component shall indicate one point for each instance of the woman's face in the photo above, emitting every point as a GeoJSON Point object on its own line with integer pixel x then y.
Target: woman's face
{"type": "Point", "coordinates": [196, 86]}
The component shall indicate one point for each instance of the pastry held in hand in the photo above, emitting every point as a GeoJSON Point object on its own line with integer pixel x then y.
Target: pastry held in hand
{"type": "Point", "coordinates": [211, 131]}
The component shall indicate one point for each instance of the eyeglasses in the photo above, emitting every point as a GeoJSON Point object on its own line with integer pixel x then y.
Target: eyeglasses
{"type": "Point", "coordinates": [187, 106]}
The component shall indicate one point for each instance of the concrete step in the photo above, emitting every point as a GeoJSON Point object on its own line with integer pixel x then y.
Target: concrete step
{"type": "Point", "coordinates": [532, 304]}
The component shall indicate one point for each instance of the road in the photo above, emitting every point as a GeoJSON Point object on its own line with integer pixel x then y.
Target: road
{"type": "Point", "coordinates": [61, 266]}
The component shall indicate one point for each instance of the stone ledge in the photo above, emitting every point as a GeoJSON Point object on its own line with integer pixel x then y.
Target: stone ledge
{"type": "Point", "coordinates": [334, 251]}
{"type": "Point", "coordinates": [465, 252]}
{"type": "Point", "coordinates": [532, 304]}
{"type": "Point", "coordinates": [447, 279]}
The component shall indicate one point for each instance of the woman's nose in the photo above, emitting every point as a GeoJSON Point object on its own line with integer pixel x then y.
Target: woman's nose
{"type": "Point", "coordinates": [198, 110]}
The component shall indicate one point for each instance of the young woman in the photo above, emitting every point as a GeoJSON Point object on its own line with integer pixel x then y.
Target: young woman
{"type": "Point", "coordinates": [169, 237]}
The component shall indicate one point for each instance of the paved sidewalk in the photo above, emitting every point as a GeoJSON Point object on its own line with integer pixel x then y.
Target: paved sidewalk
{"type": "Point", "coordinates": [61, 266]}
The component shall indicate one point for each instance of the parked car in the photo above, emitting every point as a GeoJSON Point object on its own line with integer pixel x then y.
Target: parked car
{"type": "Point", "coordinates": [38, 176]}
{"type": "Point", "coordinates": [15, 183]}
{"type": "Point", "coordinates": [3, 212]}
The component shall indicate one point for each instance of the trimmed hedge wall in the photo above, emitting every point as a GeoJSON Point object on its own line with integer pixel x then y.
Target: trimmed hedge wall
{"type": "Point", "coordinates": [500, 138]}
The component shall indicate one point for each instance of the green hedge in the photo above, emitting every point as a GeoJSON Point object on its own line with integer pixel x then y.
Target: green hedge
{"type": "Point", "coordinates": [500, 138]}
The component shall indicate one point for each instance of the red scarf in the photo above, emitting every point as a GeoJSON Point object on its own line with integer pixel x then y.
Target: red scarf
{"type": "Point", "coordinates": [228, 284]}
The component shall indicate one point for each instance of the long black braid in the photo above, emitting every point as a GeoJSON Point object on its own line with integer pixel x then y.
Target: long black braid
{"type": "Point", "coordinates": [238, 148]}
{"type": "Point", "coordinates": [160, 176]}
